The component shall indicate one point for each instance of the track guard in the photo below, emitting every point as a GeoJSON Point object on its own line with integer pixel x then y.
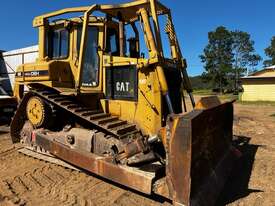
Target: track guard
{"type": "Point", "coordinates": [200, 154]}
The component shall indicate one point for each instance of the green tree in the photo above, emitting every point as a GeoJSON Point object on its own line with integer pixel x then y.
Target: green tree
{"type": "Point", "coordinates": [218, 57]}
{"type": "Point", "coordinates": [270, 52]}
{"type": "Point", "coordinates": [244, 55]}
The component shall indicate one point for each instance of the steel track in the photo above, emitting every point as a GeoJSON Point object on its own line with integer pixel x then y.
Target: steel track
{"type": "Point", "coordinates": [97, 119]}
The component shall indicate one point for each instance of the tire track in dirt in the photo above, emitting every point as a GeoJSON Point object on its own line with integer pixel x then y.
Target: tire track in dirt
{"type": "Point", "coordinates": [7, 151]}
{"type": "Point", "coordinates": [28, 181]}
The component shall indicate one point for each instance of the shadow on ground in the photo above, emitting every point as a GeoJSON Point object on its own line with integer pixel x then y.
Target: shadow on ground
{"type": "Point", "coordinates": [236, 186]}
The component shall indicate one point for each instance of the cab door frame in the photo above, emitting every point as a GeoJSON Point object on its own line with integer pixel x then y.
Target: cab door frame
{"type": "Point", "coordinates": [99, 87]}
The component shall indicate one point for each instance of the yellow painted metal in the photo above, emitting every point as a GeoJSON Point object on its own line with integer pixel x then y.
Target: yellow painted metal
{"type": "Point", "coordinates": [162, 80]}
{"type": "Point", "coordinates": [149, 34]}
{"type": "Point", "coordinates": [152, 104]}
{"type": "Point", "coordinates": [154, 51]}
{"type": "Point", "coordinates": [99, 87]}
{"type": "Point", "coordinates": [41, 45]}
{"type": "Point", "coordinates": [156, 26]}
{"type": "Point", "coordinates": [39, 21]}
{"type": "Point", "coordinates": [147, 111]}
{"type": "Point", "coordinates": [128, 11]}
{"type": "Point", "coordinates": [58, 71]}
{"type": "Point", "coordinates": [17, 90]}
{"type": "Point", "coordinates": [65, 74]}
{"type": "Point", "coordinates": [208, 102]}
{"type": "Point", "coordinates": [82, 44]}
{"type": "Point", "coordinates": [35, 111]}
{"type": "Point", "coordinates": [170, 30]}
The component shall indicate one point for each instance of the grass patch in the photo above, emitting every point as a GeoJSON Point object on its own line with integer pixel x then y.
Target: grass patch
{"type": "Point", "coordinates": [208, 92]}
{"type": "Point", "coordinates": [260, 103]}
{"type": "Point", "coordinates": [228, 97]}
{"type": "Point", "coordinates": [203, 92]}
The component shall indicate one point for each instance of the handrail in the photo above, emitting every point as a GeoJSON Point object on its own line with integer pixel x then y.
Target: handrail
{"type": "Point", "coordinates": [82, 44]}
{"type": "Point", "coordinates": [40, 20]}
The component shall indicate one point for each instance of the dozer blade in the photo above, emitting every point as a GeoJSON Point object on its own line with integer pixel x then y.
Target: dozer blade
{"type": "Point", "coordinates": [200, 154]}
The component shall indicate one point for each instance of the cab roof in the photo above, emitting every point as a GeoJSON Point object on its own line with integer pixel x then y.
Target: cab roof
{"type": "Point", "coordinates": [126, 11]}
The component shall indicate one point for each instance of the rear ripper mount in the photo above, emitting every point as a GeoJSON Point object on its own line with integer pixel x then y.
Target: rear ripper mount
{"type": "Point", "coordinates": [200, 158]}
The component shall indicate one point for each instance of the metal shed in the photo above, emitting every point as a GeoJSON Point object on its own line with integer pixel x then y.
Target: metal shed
{"type": "Point", "coordinates": [10, 60]}
{"type": "Point", "coordinates": [259, 86]}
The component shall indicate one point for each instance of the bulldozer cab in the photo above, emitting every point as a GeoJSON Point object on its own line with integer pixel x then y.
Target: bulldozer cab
{"type": "Point", "coordinates": [63, 44]}
{"type": "Point", "coordinates": [90, 43]}
{"type": "Point", "coordinates": [114, 53]}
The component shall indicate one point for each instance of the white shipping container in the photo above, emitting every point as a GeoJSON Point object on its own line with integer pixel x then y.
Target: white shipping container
{"type": "Point", "coordinates": [11, 60]}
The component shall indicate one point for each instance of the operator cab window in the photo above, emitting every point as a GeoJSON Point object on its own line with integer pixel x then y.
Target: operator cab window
{"type": "Point", "coordinates": [112, 43]}
{"type": "Point", "coordinates": [79, 34]}
{"type": "Point", "coordinates": [91, 59]}
{"type": "Point", "coordinates": [58, 44]}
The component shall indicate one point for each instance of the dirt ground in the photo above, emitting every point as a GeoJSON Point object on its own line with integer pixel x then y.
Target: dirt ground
{"type": "Point", "coordinates": [28, 181]}
{"type": "Point", "coordinates": [252, 182]}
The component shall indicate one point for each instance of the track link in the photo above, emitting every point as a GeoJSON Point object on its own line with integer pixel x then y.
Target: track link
{"type": "Point", "coordinates": [96, 118]}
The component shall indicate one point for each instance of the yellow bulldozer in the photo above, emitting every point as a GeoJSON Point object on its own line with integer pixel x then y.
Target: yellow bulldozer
{"type": "Point", "coordinates": [103, 96]}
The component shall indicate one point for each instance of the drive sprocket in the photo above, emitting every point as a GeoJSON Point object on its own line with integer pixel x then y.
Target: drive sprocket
{"type": "Point", "coordinates": [37, 111]}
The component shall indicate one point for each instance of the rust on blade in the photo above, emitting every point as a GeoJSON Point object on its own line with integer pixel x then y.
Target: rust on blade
{"type": "Point", "coordinates": [200, 154]}
{"type": "Point", "coordinates": [127, 176]}
{"type": "Point", "coordinates": [179, 154]}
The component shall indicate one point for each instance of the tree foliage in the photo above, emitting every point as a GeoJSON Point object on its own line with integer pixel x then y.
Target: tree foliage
{"type": "Point", "coordinates": [218, 57]}
{"type": "Point", "coordinates": [244, 56]}
{"type": "Point", "coordinates": [270, 52]}
{"type": "Point", "coordinates": [198, 83]}
{"type": "Point", "coordinates": [227, 56]}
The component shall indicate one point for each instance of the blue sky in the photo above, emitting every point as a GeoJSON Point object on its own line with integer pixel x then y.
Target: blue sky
{"type": "Point", "coordinates": [193, 20]}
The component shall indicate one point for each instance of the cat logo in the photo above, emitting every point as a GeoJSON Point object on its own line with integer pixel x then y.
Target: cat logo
{"type": "Point", "coordinates": [122, 86]}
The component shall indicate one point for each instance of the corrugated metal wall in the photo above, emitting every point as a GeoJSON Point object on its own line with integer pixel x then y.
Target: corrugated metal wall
{"type": "Point", "coordinates": [12, 59]}
{"type": "Point", "coordinates": [258, 92]}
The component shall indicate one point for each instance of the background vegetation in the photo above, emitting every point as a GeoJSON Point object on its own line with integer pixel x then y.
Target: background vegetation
{"type": "Point", "coordinates": [228, 56]}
